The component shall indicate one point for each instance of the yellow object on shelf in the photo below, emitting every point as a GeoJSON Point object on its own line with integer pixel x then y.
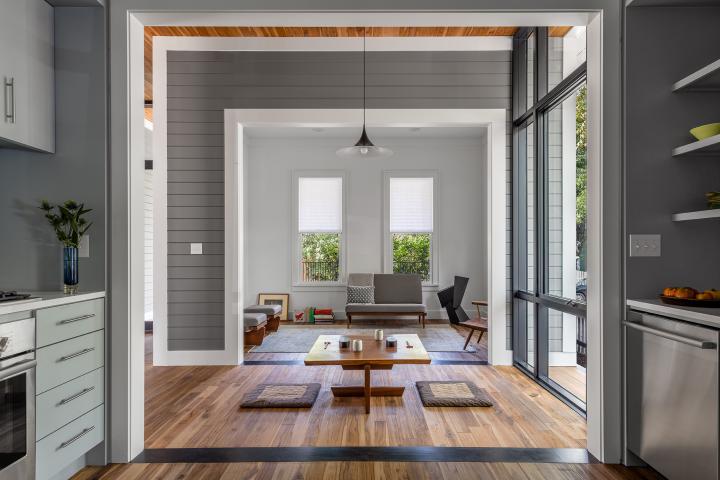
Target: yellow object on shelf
{"type": "Point", "coordinates": [705, 131]}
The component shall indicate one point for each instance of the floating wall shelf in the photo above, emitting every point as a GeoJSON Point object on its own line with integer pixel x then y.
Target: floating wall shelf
{"type": "Point", "coordinates": [707, 146]}
{"type": "Point", "coordinates": [699, 215]}
{"type": "Point", "coordinates": [707, 78]}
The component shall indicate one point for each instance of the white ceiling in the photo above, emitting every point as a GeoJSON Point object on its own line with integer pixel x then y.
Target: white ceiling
{"type": "Point", "coordinates": [354, 132]}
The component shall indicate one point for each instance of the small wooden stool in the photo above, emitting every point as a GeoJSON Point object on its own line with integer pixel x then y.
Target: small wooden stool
{"type": "Point", "coordinates": [476, 324]}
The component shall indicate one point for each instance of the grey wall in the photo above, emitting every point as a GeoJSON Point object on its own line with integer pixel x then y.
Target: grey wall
{"type": "Point", "coordinates": [202, 84]}
{"type": "Point", "coordinates": [30, 256]}
{"type": "Point", "coordinates": [663, 46]}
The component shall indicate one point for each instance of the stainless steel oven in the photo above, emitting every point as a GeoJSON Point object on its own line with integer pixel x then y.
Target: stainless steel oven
{"type": "Point", "coordinates": [17, 399]}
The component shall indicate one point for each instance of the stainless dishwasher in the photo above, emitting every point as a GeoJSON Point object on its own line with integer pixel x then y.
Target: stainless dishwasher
{"type": "Point", "coordinates": [672, 396]}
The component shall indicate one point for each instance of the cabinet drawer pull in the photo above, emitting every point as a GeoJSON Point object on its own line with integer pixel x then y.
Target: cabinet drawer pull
{"type": "Point", "coordinates": [693, 342]}
{"type": "Point", "coordinates": [76, 437]}
{"type": "Point", "coordinates": [75, 319]}
{"type": "Point", "coordinates": [9, 99]}
{"type": "Point", "coordinates": [77, 395]}
{"type": "Point", "coordinates": [76, 354]}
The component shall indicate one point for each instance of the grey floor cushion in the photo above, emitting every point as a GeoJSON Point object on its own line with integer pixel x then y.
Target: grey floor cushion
{"type": "Point", "coordinates": [452, 393]}
{"type": "Point", "coordinates": [281, 395]}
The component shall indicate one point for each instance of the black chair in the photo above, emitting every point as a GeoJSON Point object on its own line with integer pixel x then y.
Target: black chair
{"type": "Point", "coordinates": [451, 300]}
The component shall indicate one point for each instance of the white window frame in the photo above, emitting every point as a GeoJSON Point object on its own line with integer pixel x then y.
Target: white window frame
{"type": "Point", "coordinates": [387, 236]}
{"type": "Point", "coordinates": [296, 250]}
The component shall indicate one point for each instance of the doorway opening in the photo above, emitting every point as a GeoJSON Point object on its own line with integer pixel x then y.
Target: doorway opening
{"type": "Point", "coordinates": [269, 373]}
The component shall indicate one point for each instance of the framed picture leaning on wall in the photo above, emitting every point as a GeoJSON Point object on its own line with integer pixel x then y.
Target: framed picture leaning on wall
{"type": "Point", "coordinates": [282, 299]}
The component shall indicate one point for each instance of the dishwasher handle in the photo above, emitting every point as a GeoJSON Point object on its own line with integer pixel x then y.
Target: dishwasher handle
{"type": "Point", "coordinates": [693, 342]}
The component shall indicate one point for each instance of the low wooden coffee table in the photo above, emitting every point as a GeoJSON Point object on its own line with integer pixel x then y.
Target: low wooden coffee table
{"type": "Point", "coordinates": [375, 356]}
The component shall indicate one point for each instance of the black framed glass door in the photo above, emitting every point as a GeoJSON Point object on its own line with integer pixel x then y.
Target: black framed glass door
{"type": "Point", "coordinates": [549, 226]}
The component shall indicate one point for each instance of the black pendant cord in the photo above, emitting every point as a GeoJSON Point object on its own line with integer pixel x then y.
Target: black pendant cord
{"type": "Point", "coordinates": [364, 97]}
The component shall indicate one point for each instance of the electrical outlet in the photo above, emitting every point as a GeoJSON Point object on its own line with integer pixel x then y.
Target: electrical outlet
{"type": "Point", "coordinates": [645, 245]}
{"type": "Point", "coordinates": [84, 247]}
{"type": "Point", "coordinates": [196, 249]}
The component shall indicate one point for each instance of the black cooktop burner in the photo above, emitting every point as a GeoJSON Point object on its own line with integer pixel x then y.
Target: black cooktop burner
{"type": "Point", "coordinates": [12, 295]}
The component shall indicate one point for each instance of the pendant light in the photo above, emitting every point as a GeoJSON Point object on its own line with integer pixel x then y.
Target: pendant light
{"type": "Point", "coordinates": [364, 147]}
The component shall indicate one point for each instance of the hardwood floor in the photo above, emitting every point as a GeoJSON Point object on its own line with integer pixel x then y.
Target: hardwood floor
{"type": "Point", "coordinates": [199, 407]}
{"type": "Point", "coordinates": [570, 378]}
{"type": "Point", "coordinates": [366, 471]}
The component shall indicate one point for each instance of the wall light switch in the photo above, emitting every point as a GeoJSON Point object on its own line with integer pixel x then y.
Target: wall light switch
{"type": "Point", "coordinates": [196, 249]}
{"type": "Point", "coordinates": [644, 245]}
{"type": "Point", "coordinates": [84, 247]}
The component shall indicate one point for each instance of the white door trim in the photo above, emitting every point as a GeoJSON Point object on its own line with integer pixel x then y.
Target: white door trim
{"type": "Point", "coordinates": [492, 120]}
{"type": "Point", "coordinates": [126, 19]}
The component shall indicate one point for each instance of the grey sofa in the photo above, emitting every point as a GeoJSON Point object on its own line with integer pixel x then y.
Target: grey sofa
{"type": "Point", "coordinates": [396, 294]}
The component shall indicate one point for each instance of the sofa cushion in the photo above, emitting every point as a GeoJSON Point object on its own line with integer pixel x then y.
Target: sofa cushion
{"type": "Point", "coordinates": [385, 308]}
{"type": "Point", "coordinates": [254, 319]}
{"type": "Point", "coordinates": [266, 309]}
{"type": "Point", "coordinates": [357, 294]}
{"type": "Point", "coordinates": [360, 279]}
{"type": "Point", "coordinates": [398, 288]}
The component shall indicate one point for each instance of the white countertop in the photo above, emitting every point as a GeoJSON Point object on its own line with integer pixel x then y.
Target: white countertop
{"type": "Point", "coordinates": [703, 316]}
{"type": "Point", "coordinates": [45, 300]}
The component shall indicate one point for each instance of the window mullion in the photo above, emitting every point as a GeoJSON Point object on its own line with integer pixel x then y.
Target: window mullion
{"type": "Point", "coordinates": [541, 70]}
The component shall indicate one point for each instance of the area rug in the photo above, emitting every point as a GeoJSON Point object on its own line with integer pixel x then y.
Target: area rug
{"type": "Point", "coordinates": [452, 394]}
{"type": "Point", "coordinates": [281, 395]}
{"type": "Point", "coordinates": [300, 338]}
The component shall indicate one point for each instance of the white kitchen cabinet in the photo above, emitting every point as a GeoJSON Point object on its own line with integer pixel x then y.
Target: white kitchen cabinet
{"type": "Point", "coordinates": [27, 101]}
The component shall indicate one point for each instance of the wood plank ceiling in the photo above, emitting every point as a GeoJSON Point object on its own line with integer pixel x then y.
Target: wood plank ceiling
{"type": "Point", "coordinates": [157, 31]}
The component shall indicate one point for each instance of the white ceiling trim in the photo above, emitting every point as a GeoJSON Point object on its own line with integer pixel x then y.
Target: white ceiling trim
{"type": "Point", "coordinates": [368, 19]}
{"type": "Point", "coordinates": [334, 44]}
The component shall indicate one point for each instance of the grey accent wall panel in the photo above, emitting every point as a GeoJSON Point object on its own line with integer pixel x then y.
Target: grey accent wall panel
{"type": "Point", "coordinates": [663, 46]}
{"type": "Point", "coordinates": [202, 84]}
{"type": "Point", "coordinates": [31, 257]}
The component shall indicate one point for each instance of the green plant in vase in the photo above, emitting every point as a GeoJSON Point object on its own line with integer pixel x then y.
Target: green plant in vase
{"type": "Point", "coordinates": [69, 223]}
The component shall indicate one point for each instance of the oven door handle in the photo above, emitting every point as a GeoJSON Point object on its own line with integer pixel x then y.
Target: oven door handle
{"type": "Point", "coordinates": [16, 369]}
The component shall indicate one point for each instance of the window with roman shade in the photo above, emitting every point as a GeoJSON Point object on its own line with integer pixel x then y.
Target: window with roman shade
{"type": "Point", "coordinates": [410, 224]}
{"type": "Point", "coordinates": [320, 228]}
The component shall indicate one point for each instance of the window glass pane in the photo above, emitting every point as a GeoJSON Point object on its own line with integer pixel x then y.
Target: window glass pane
{"type": "Point", "coordinates": [530, 68]}
{"type": "Point", "coordinates": [567, 352]}
{"type": "Point", "coordinates": [411, 205]}
{"type": "Point", "coordinates": [530, 325]}
{"type": "Point", "coordinates": [411, 254]}
{"type": "Point", "coordinates": [320, 260]}
{"type": "Point", "coordinates": [531, 217]}
{"type": "Point", "coordinates": [566, 52]}
{"type": "Point", "coordinates": [320, 204]}
{"type": "Point", "coordinates": [567, 198]}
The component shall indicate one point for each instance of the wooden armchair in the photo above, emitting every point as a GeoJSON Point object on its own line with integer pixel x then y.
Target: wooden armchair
{"type": "Point", "coordinates": [476, 324]}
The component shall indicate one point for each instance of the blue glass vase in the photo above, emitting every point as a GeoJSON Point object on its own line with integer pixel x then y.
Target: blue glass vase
{"type": "Point", "coordinates": [70, 270]}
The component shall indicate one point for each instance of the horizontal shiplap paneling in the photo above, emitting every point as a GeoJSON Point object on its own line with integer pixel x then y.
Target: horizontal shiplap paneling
{"type": "Point", "coordinates": [201, 85]}
{"type": "Point", "coordinates": [183, 248]}
{"type": "Point", "coordinates": [195, 343]}
{"type": "Point", "coordinates": [197, 320]}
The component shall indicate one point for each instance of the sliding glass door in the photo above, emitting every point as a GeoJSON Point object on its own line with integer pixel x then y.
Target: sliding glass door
{"type": "Point", "coordinates": [549, 187]}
